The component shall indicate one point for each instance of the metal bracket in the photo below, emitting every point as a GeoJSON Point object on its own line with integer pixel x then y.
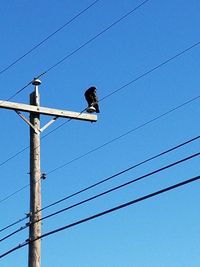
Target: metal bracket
{"type": "Point", "coordinates": [34, 128]}
{"type": "Point", "coordinates": [28, 122]}
{"type": "Point", "coordinates": [48, 124]}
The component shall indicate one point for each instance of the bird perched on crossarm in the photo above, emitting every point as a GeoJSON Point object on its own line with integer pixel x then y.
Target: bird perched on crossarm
{"type": "Point", "coordinates": [92, 100]}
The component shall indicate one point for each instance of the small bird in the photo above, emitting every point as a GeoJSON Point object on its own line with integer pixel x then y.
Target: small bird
{"type": "Point", "coordinates": [92, 100]}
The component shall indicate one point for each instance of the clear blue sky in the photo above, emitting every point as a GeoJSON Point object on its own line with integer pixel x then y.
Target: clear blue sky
{"type": "Point", "coordinates": [159, 232]}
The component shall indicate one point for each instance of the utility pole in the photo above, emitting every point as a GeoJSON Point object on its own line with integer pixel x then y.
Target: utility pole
{"type": "Point", "coordinates": [35, 182]}
{"type": "Point", "coordinates": [34, 109]}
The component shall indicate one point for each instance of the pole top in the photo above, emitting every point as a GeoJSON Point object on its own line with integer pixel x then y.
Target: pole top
{"type": "Point", "coordinates": [36, 81]}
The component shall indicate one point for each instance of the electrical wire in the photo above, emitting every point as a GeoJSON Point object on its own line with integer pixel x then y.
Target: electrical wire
{"type": "Point", "coordinates": [86, 43]}
{"type": "Point", "coordinates": [69, 55]}
{"type": "Point", "coordinates": [119, 89]}
{"type": "Point", "coordinates": [131, 81]}
{"type": "Point", "coordinates": [103, 193]}
{"type": "Point", "coordinates": [153, 69]}
{"type": "Point", "coordinates": [16, 93]}
{"type": "Point", "coordinates": [76, 50]}
{"type": "Point", "coordinates": [94, 37]}
{"type": "Point", "coordinates": [95, 149]}
{"type": "Point", "coordinates": [48, 37]}
{"type": "Point", "coordinates": [122, 87]}
{"type": "Point", "coordinates": [105, 212]}
{"type": "Point", "coordinates": [121, 172]}
{"type": "Point", "coordinates": [120, 186]}
{"type": "Point", "coordinates": [123, 135]}
{"type": "Point", "coordinates": [115, 91]}
{"type": "Point", "coordinates": [14, 223]}
{"type": "Point", "coordinates": [14, 232]}
{"type": "Point", "coordinates": [107, 179]}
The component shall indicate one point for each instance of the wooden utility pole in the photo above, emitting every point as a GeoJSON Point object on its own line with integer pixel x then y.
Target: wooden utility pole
{"type": "Point", "coordinates": [35, 184]}
{"type": "Point", "coordinates": [35, 111]}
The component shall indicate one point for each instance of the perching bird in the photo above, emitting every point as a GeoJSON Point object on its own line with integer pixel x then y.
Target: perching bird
{"type": "Point", "coordinates": [92, 99]}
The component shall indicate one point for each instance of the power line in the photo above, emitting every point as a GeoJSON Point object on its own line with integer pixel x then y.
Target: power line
{"type": "Point", "coordinates": [122, 172]}
{"type": "Point", "coordinates": [125, 134]}
{"type": "Point", "coordinates": [97, 148]}
{"type": "Point", "coordinates": [115, 91]}
{"type": "Point", "coordinates": [89, 41]}
{"type": "Point", "coordinates": [77, 49]}
{"type": "Point", "coordinates": [14, 223]}
{"type": "Point", "coordinates": [119, 89]}
{"type": "Point", "coordinates": [100, 194]}
{"type": "Point", "coordinates": [122, 185]}
{"type": "Point", "coordinates": [153, 69]}
{"type": "Point", "coordinates": [14, 193]}
{"type": "Point", "coordinates": [124, 205]}
{"type": "Point", "coordinates": [72, 53]}
{"type": "Point", "coordinates": [122, 87]}
{"type": "Point", "coordinates": [94, 37]}
{"type": "Point", "coordinates": [107, 179]}
{"type": "Point", "coordinates": [17, 92]}
{"type": "Point", "coordinates": [15, 232]}
{"type": "Point", "coordinates": [48, 37]}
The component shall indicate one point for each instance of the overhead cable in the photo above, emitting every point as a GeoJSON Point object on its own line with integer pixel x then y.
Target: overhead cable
{"type": "Point", "coordinates": [101, 194]}
{"type": "Point", "coordinates": [14, 223]}
{"type": "Point", "coordinates": [122, 87]}
{"type": "Point", "coordinates": [48, 37]}
{"type": "Point", "coordinates": [121, 186]}
{"type": "Point", "coordinates": [16, 93]}
{"type": "Point", "coordinates": [94, 38]}
{"type": "Point", "coordinates": [79, 48]}
{"type": "Point", "coordinates": [108, 178]}
{"type": "Point", "coordinates": [107, 143]}
{"type": "Point", "coordinates": [123, 135]}
{"type": "Point", "coordinates": [153, 69]}
{"type": "Point", "coordinates": [97, 148]}
{"type": "Point", "coordinates": [108, 211]}
{"type": "Point", "coordinates": [121, 172]}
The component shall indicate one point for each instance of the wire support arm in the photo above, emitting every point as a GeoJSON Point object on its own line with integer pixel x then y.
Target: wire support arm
{"type": "Point", "coordinates": [37, 131]}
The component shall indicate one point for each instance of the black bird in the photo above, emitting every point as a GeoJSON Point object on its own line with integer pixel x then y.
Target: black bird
{"type": "Point", "coordinates": [92, 100]}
